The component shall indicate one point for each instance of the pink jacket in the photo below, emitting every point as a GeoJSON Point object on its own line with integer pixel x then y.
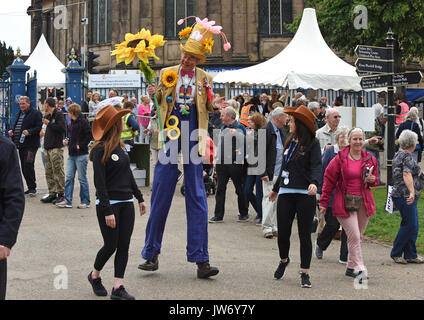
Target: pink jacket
{"type": "Point", "coordinates": [143, 110]}
{"type": "Point", "coordinates": [334, 179]}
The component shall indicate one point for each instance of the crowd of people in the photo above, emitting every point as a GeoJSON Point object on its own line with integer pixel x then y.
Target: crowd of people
{"type": "Point", "coordinates": [288, 160]}
{"type": "Point", "coordinates": [314, 168]}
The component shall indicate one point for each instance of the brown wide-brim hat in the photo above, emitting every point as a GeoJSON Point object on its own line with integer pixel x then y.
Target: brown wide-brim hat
{"type": "Point", "coordinates": [105, 119]}
{"type": "Point", "coordinates": [303, 114]}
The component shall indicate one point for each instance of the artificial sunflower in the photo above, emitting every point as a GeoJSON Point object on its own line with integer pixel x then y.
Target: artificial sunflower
{"type": "Point", "coordinates": [170, 79]}
{"type": "Point", "coordinates": [207, 45]}
{"type": "Point", "coordinates": [142, 43]}
{"type": "Point", "coordinates": [185, 33]}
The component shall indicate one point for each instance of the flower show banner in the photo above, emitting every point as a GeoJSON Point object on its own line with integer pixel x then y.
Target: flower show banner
{"type": "Point", "coordinates": [114, 81]}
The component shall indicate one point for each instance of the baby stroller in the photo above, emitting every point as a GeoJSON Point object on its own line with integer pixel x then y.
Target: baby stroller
{"type": "Point", "coordinates": [209, 170]}
{"type": "Point", "coordinates": [209, 180]}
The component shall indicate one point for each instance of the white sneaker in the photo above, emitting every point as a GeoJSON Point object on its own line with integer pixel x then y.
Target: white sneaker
{"type": "Point", "coordinates": [83, 206]}
{"type": "Point", "coordinates": [63, 204]}
{"type": "Point", "coordinates": [342, 262]}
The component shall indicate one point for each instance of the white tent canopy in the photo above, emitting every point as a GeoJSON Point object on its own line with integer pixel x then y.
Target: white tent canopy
{"type": "Point", "coordinates": [48, 66]}
{"type": "Point", "coordinates": [307, 62]}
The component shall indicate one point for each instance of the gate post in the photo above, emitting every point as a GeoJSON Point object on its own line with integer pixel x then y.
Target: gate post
{"type": "Point", "coordinates": [74, 74]}
{"type": "Point", "coordinates": [32, 89]}
{"type": "Point", "coordinates": [17, 73]}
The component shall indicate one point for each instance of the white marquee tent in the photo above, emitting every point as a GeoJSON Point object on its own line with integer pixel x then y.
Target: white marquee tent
{"type": "Point", "coordinates": [307, 62]}
{"type": "Point", "coordinates": [48, 66]}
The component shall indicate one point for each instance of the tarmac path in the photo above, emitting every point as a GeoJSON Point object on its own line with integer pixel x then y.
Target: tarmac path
{"type": "Point", "coordinates": [56, 248]}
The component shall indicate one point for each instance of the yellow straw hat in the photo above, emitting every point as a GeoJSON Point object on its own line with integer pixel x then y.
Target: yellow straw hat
{"type": "Point", "coordinates": [200, 38]}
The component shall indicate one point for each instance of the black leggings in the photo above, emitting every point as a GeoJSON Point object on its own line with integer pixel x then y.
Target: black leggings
{"type": "Point", "coordinates": [288, 206]}
{"type": "Point", "coordinates": [117, 239]}
{"type": "Point", "coordinates": [3, 278]}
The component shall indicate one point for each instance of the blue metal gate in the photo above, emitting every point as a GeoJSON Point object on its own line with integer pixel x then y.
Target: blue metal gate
{"type": "Point", "coordinates": [4, 104]}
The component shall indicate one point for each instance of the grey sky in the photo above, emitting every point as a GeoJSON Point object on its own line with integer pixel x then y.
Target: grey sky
{"type": "Point", "coordinates": [15, 25]}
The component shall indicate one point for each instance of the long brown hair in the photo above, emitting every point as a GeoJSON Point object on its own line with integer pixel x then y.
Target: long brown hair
{"type": "Point", "coordinates": [304, 136]}
{"type": "Point", "coordinates": [110, 141]}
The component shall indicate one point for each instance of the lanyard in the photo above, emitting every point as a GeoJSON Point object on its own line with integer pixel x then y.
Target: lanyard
{"type": "Point", "coordinates": [289, 154]}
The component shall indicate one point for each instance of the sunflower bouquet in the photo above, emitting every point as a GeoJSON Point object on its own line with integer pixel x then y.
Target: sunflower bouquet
{"type": "Point", "coordinates": [142, 44]}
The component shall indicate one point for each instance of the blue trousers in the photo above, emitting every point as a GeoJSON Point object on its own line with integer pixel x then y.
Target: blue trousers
{"type": "Point", "coordinates": [254, 200]}
{"type": "Point", "coordinates": [164, 182]}
{"type": "Point", "coordinates": [404, 243]}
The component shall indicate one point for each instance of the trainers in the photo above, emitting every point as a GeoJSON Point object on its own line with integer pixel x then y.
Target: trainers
{"type": "Point", "coordinates": [150, 265]}
{"type": "Point", "coordinates": [415, 260]}
{"type": "Point", "coordinates": [399, 260]}
{"type": "Point", "coordinates": [318, 252]}
{"type": "Point", "coordinates": [342, 261]}
{"type": "Point", "coordinates": [58, 199]}
{"type": "Point", "coordinates": [216, 220]}
{"type": "Point", "coordinates": [121, 294]}
{"type": "Point", "coordinates": [83, 206]}
{"type": "Point", "coordinates": [279, 273]}
{"type": "Point", "coordinates": [63, 204]}
{"type": "Point", "coordinates": [31, 192]}
{"type": "Point", "coordinates": [98, 288]}
{"type": "Point", "coordinates": [305, 281]}
{"type": "Point", "coordinates": [361, 274]}
{"type": "Point", "coordinates": [48, 199]}
{"type": "Point", "coordinates": [351, 273]}
{"type": "Point", "coordinates": [243, 218]}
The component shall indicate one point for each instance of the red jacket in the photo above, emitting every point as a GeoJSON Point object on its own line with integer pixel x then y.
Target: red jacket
{"type": "Point", "coordinates": [334, 179]}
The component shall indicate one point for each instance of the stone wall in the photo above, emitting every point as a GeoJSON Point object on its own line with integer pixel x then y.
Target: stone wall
{"type": "Point", "coordinates": [239, 19]}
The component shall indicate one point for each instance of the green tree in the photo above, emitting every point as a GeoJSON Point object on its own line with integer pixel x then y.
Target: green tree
{"type": "Point", "coordinates": [336, 20]}
{"type": "Point", "coordinates": [6, 57]}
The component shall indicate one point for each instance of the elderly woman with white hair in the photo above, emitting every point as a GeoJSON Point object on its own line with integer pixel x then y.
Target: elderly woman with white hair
{"type": "Point", "coordinates": [351, 175]}
{"type": "Point", "coordinates": [406, 191]}
{"type": "Point", "coordinates": [331, 224]}
{"type": "Point", "coordinates": [410, 123]}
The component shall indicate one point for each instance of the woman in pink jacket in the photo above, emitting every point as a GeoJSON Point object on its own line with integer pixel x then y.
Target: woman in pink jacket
{"type": "Point", "coordinates": [351, 173]}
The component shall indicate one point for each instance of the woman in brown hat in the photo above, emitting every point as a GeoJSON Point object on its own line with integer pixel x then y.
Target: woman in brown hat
{"type": "Point", "coordinates": [296, 188]}
{"type": "Point", "coordinates": [115, 188]}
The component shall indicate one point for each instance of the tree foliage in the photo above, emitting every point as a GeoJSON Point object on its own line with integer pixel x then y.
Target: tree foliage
{"type": "Point", "coordinates": [336, 20]}
{"type": "Point", "coordinates": [6, 57]}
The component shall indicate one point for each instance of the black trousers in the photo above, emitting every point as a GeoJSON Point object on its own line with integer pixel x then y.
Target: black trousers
{"type": "Point", "coordinates": [27, 158]}
{"type": "Point", "coordinates": [3, 278]}
{"type": "Point", "coordinates": [327, 234]}
{"type": "Point", "coordinates": [238, 175]}
{"type": "Point", "coordinates": [288, 206]}
{"type": "Point", "coordinates": [116, 239]}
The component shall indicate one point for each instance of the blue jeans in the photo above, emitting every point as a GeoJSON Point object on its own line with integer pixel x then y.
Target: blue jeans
{"type": "Point", "coordinates": [255, 200]}
{"type": "Point", "coordinates": [74, 164]}
{"type": "Point", "coordinates": [407, 235]}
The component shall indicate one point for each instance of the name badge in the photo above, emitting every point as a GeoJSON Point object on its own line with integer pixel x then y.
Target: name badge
{"type": "Point", "coordinates": [285, 174]}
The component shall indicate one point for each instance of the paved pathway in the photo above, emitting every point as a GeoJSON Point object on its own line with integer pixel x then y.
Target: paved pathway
{"type": "Point", "coordinates": [55, 242]}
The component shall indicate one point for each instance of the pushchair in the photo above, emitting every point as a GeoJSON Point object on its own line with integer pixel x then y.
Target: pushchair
{"type": "Point", "coordinates": [209, 170]}
{"type": "Point", "coordinates": [209, 180]}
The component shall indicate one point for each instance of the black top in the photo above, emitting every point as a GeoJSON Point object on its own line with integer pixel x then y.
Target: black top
{"type": "Point", "coordinates": [55, 130]}
{"type": "Point", "coordinates": [12, 199]}
{"type": "Point", "coordinates": [31, 122]}
{"type": "Point", "coordinates": [410, 125]}
{"type": "Point", "coordinates": [79, 136]}
{"type": "Point", "coordinates": [303, 170]}
{"type": "Point", "coordinates": [113, 179]}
